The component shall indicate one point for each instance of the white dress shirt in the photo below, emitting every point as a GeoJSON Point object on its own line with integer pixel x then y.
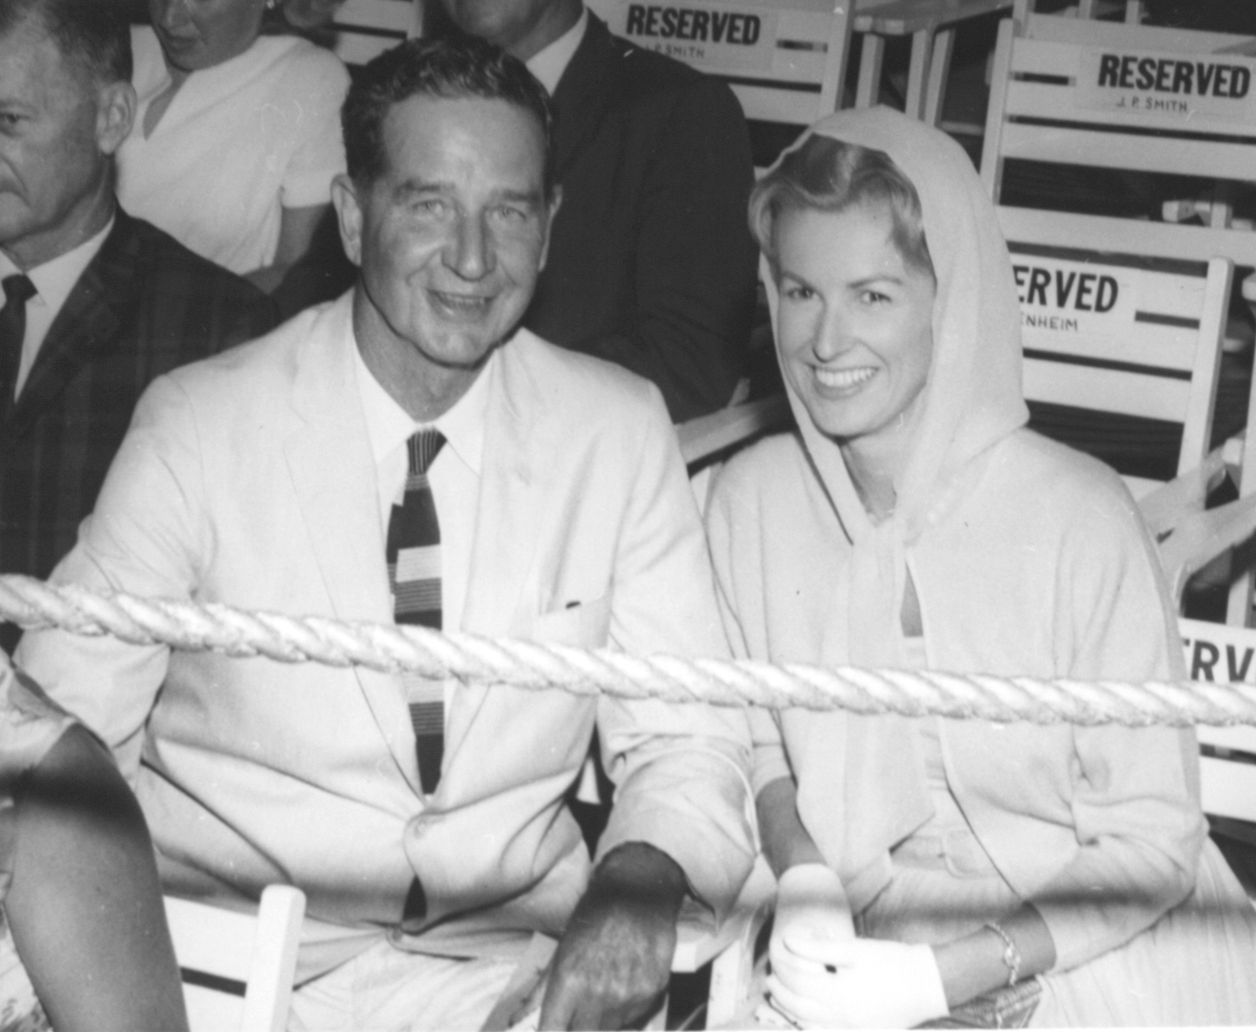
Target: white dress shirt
{"type": "Point", "coordinates": [549, 63]}
{"type": "Point", "coordinates": [454, 474]}
{"type": "Point", "coordinates": [53, 282]}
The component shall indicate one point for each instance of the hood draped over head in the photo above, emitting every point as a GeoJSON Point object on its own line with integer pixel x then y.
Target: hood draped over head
{"type": "Point", "coordinates": [972, 399]}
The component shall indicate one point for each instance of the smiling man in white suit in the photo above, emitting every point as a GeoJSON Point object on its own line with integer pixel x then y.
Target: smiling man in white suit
{"type": "Point", "coordinates": [274, 476]}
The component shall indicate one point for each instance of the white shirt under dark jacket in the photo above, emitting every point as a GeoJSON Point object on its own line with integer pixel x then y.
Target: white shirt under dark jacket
{"type": "Point", "coordinates": [54, 280]}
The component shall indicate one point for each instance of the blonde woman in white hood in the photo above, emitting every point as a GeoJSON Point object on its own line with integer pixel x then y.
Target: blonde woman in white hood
{"type": "Point", "coordinates": [997, 875]}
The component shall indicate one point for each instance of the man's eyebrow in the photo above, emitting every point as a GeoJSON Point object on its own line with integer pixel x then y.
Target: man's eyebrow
{"type": "Point", "coordinates": [414, 186]}
{"type": "Point", "coordinates": [512, 195]}
{"type": "Point", "coordinates": [531, 196]}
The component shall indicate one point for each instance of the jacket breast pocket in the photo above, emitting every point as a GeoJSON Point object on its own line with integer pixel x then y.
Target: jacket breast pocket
{"type": "Point", "coordinates": [582, 624]}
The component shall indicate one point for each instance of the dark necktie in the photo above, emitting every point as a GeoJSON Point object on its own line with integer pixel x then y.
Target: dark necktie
{"type": "Point", "coordinates": [17, 288]}
{"type": "Point", "coordinates": [414, 572]}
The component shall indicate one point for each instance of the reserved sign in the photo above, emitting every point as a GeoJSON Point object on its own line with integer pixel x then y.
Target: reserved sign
{"type": "Point", "coordinates": [1072, 297]}
{"type": "Point", "coordinates": [1218, 652]}
{"type": "Point", "coordinates": [1216, 85]}
{"type": "Point", "coordinates": [702, 34]}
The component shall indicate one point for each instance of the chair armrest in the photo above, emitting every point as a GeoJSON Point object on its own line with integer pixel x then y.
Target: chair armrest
{"type": "Point", "coordinates": [730, 948]}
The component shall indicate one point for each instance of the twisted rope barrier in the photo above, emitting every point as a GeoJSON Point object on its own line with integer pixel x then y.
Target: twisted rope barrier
{"type": "Point", "coordinates": [536, 666]}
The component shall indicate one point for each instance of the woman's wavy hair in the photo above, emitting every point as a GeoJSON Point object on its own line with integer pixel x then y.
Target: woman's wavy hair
{"type": "Point", "coordinates": [829, 175]}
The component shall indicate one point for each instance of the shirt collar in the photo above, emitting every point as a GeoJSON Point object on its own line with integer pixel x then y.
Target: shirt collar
{"type": "Point", "coordinates": [56, 278]}
{"type": "Point", "coordinates": [549, 63]}
{"type": "Point", "coordinates": [389, 426]}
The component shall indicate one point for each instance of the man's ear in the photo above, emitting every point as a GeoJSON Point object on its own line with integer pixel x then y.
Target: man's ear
{"type": "Point", "coordinates": [555, 203]}
{"type": "Point", "coordinates": [344, 197]}
{"type": "Point", "coordinates": [115, 114]}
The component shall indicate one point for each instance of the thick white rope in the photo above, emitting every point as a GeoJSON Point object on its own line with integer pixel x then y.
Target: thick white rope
{"type": "Point", "coordinates": [532, 665]}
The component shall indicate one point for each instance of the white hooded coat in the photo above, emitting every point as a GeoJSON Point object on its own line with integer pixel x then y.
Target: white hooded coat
{"type": "Point", "coordinates": [1026, 558]}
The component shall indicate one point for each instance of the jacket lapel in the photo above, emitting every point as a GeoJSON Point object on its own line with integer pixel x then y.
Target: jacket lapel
{"type": "Point", "coordinates": [333, 475]}
{"type": "Point", "coordinates": [520, 445]}
{"type": "Point", "coordinates": [87, 325]}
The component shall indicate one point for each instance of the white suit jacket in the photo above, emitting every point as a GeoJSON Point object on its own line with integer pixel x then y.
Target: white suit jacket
{"type": "Point", "coordinates": [248, 479]}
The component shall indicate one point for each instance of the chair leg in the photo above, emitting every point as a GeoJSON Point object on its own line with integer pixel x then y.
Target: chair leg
{"type": "Point", "coordinates": [871, 57]}
{"type": "Point", "coordinates": [939, 68]}
{"type": "Point", "coordinates": [658, 1021]}
{"type": "Point", "coordinates": [732, 975]}
{"type": "Point", "coordinates": [918, 73]}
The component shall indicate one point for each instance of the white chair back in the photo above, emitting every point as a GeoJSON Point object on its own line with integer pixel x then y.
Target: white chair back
{"type": "Point", "coordinates": [1095, 94]}
{"type": "Point", "coordinates": [784, 59]}
{"type": "Point", "coordinates": [1217, 652]}
{"type": "Point", "coordinates": [238, 967]}
{"type": "Point", "coordinates": [1131, 334]}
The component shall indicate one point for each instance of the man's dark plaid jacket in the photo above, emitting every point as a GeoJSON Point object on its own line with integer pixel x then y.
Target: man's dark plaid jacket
{"type": "Point", "coordinates": [144, 305]}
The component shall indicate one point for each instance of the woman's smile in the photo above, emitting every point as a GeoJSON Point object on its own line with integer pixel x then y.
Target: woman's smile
{"type": "Point", "coordinates": [845, 380]}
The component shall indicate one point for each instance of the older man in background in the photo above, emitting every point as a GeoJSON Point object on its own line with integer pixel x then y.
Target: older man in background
{"type": "Point", "coordinates": [96, 303]}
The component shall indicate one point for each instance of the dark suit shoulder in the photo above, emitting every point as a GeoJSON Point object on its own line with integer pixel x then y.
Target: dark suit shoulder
{"type": "Point", "coordinates": [177, 292]}
{"type": "Point", "coordinates": [643, 73]}
{"type": "Point", "coordinates": [167, 267]}
{"type": "Point", "coordinates": [143, 306]}
{"type": "Point", "coordinates": [650, 67]}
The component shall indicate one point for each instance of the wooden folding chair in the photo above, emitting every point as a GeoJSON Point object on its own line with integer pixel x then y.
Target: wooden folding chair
{"type": "Point", "coordinates": [706, 437]}
{"type": "Point", "coordinates": [931, 26]}
{"type": "Point", "coordinates": [1189, 536]}
{"type": "Point", "coordinates": [238, 966]}
{"type": "Point", "coordinates": [1128, 334]}
{"type": "Point", "coordinates": [1097, 95]}
{"type": "Point", "coordinates": [1218, 652]}
{"type": "Point", "coordinates": [1130, 11]}
{"type": "Point", "coordinates": [1067, 92]}
{"type": "Point", "coordinates": [729, 950]}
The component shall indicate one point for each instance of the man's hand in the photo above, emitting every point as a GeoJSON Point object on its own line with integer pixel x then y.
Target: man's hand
{"type": "Point", "coordinates": [612, 965]}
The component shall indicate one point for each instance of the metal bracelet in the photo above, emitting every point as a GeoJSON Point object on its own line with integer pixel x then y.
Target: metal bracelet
{"type": "Point", "coordinates": [1011, 955]}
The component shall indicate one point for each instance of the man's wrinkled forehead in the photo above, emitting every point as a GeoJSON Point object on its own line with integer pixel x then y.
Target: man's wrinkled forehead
{"type": "Point", "coordinates": [31, 28]}
{"type": "Point", "coordinates": [404, 116]}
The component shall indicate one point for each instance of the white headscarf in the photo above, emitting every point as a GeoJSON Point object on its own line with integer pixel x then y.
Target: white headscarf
{"type": "Point", "coordinates": [971, 400]}
{"type": "Point", "coordinates": [972, 397]}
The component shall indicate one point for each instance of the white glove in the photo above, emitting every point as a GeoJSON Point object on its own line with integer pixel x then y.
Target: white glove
{"type": "Point", "coordinates": [810, 902]}
{"type": "Point", "coordinates": [856, 983]}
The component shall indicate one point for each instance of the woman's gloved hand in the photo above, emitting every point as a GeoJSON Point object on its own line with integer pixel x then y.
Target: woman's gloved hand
{"type": "Point", "coordinates": [810, 901]}
{"type": "Point", "coordinates": [843, 982]}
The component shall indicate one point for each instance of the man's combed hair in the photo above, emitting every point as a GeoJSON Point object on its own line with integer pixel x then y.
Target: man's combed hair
{"type": "Point", "coordinates": [830, 175]}
{"type": "Point", "coordinates": [95, 34]}
{"type": "Point", "coordinates": [449, 68]}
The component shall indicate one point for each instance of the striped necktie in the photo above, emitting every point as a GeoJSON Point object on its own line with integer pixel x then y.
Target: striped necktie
{"type": "Point", "coordinates": [414, 572]}
{"type": "Point", "coordinates": [17, 289]}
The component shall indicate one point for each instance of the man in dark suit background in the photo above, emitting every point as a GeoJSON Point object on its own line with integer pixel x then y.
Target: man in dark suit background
{"type": "Point", "coordinates": [96, 303]}
{"type": "Point", "coordinates": [650, 263]}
